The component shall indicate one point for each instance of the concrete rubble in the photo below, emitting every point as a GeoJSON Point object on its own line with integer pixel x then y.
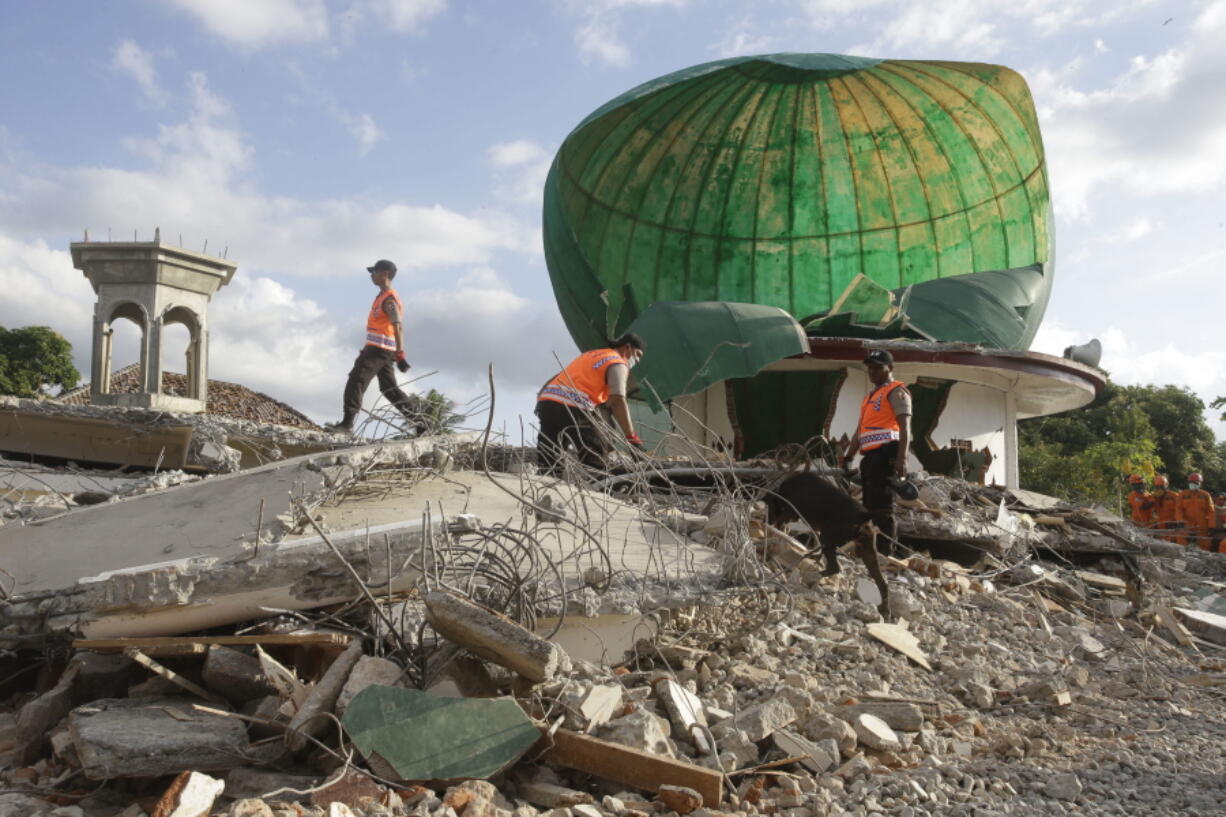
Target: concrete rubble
{"type": "Point", "coordinates": [674, 657]}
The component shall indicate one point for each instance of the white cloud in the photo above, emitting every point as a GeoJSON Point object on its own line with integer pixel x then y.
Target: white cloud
{"type": "Point", "coordinates": [1100, 47]}
{"type": "Point", "coordinates": [599, 37]}
{"type": "Point", "coordinates": [520, 168]}
{"type": "Point", "coordinates": [406, 15]}
{"type": "Point", "coordinates": [740, 41]}
{"type": "Point", "coordinates": [1157, 128]}
{"type": "Point", "coordinates": [194, 182]}
{"type": "Point", "coordinates": [363, 128]}
{"type": "Point", "coordinates": [258, 23]}
{"type": "Point", "coordinates": [519, 336]}
{"type": "Point", "coordinates": [138, 63]}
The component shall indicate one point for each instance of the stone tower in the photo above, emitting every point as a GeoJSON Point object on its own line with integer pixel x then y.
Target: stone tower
{"type": "Point", "coordinates": [151, 284]}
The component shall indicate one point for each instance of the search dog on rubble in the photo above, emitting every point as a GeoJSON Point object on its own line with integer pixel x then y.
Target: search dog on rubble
{"type": "Point", "coordinates": [835, 516]}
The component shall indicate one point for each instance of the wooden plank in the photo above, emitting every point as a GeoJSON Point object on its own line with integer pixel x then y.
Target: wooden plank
{"type": "Point", "coordinates": [164, 643]}
{"type": "Point", "coordinates": [632, 767]}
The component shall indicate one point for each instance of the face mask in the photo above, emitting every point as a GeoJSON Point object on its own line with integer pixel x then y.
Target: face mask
{"type": "Point", "coordinates": [633, 359]}
{"type": "Point", "coordinates": [1193, 486]}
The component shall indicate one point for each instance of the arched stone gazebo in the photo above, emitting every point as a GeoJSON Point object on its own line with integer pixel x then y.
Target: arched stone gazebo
{"type": "Point", "coordinates": [153, 285]}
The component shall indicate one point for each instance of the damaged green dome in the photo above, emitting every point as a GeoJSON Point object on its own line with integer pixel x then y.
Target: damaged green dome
{"type": "Point", "coordinates": [809, 182]}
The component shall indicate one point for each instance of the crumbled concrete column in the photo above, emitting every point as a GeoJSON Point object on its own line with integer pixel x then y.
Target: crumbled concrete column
{"type": "Point", "coordinates": [309, 720]}
{"type": "Point", "coordinates": [495, 638]}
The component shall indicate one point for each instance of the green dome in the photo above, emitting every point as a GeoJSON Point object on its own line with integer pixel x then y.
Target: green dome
{"type": "Point", "coordinates": [779, 180]}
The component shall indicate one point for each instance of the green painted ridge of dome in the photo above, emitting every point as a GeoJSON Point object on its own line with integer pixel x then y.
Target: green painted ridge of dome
{"type": "Point", "coordinates": [811, 66]}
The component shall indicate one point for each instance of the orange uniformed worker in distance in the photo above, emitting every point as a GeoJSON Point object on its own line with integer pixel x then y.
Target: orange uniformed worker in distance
{"type": "Point", "coordinates": [1220, 533]}
{"type": "Point", "coordinates": [1140, 501]}
{"type": "Point", "coordinates": [566, 405]}
{"type": "Point", "coordinates": [1196, 511]}
{"type": "Point", "coordinates": [1166, 508]}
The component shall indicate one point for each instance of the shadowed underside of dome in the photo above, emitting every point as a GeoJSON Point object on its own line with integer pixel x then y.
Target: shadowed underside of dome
{"type": "Point", "coordinates": [780, 180]}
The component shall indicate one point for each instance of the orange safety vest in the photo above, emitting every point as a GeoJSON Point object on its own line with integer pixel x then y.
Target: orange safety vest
{"type": "Point", "coordinates": [583, 383]}
{"type": "Point", "coordinates": [379, 328]}
{"type": "Point", "coordinates": [878, 424]}
{"type": "Point", "coordinates": [1142, 507]}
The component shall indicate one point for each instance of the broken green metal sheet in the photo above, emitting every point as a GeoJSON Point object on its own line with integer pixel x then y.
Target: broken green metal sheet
{"type": "Point", "coordinates": [778, 179]}
{"type": "Point", "coordinates": [693, 345]}
{"type": "Point", "coordinates": [432, 737]}
{"type": "Point", "coordinates": [776, 408]}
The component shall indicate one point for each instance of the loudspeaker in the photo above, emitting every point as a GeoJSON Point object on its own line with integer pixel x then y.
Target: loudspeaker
{"type": "Point", "coordinates": [1088, 353]}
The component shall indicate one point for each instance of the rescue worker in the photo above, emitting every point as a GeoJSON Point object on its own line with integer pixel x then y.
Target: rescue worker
{"type": "Point", "coordinates": [566, 405]}
{"type": "Point", "coordinates": [1196, 511]}
{"type": "Point", "coordinates": [384, 348]}
{"type": "Point", "coordinates": [1166, 509]}
{"type": "Point", "coordinates": [1220, 533]}
{"type": "Point", "coordinates": [883, 437]}
{"type": "Point", "coordinates": [1140, 501]}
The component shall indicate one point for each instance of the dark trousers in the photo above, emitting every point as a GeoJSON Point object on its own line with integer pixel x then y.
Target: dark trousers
{"type": "Point", "coordinates": [374, 362]}
{"type": "Point", "coordinates": [876, 468]}
{"type": "Point", "coordinates": [564, 427]}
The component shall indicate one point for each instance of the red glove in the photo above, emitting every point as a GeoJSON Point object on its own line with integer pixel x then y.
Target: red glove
{"type": "Point", "coordinates": [635, 440]}
{"type": "Point", "coordinates": [401, 363]}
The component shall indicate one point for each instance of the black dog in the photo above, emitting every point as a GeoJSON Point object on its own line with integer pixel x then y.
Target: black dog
{"type": "Point", "coordinates": [835, 516]}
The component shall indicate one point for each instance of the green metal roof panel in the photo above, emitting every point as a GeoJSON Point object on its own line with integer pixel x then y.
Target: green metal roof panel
{"type": "Point", "coordinates": [778, 180]}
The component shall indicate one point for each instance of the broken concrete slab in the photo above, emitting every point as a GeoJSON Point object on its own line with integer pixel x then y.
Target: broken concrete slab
{"type": "Point", "coordinates": [1209, 626]}
{"type": "Point", "coordinates": [150, 737]}
{"type": "Point", "coordinates": [817, 759]}
{"type": "Point", "coordinates": [419, 736]}
{"type": "Point", "coordinates": [244, 782]}
{"type": "Point", "coordinates": [157, 566]}
{"type": "Point", "coordinates": [906, 717]}
{"type": "Point", "coordinates": [900, 639]}
{"type": "Point", "coordinates": [494, 637]}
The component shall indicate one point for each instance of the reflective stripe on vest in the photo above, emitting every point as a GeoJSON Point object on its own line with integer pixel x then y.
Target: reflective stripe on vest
{"type": "Point", "coordinates": [582, 384]}
{"type": "Point", "coordinates": [380, 330]}
{"type": "Point", "coordinates": [878, 423]}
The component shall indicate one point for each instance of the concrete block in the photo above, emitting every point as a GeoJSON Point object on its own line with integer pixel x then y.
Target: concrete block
{"type": "Point", "coordinates": [307, 721]}
{"type": "Point", "coordinates": [368, 670]}
{"type": "Point", "coordinates": [760, 720]}
{"type": "Point", "coordinates": [190, 795]}
{"type": "Point", "coordinates": [151, 737]}
{"type": "Point", "coordinates": [234, 675]}
{"type": "Point", "coordinates": [874, 733]}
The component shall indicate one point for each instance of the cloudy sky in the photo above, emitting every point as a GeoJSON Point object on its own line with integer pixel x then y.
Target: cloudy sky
{"type": "Point", "coordinates": [309, 137]}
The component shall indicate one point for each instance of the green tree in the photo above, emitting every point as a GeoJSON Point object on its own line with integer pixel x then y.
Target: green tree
{"type": "Point", "coordinates": [1087, 455]}
{"type": "Point", "coordinates": [33, 360]}
{"type": "Point", "coordinates": [434, 412]}
{"type": "Point", "coordinates": [1185, 441]}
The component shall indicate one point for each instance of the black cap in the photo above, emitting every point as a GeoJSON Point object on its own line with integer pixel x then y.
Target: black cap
{"type": "Point", "coordinates": [630, 339]}
{"type": "Point", "coordinates": [383, 265]}
{"type": "Point", "coordinates": [879, 357]}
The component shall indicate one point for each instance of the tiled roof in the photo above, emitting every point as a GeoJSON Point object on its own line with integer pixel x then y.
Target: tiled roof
{"type": "Point", "coordinates": [224, 399]}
